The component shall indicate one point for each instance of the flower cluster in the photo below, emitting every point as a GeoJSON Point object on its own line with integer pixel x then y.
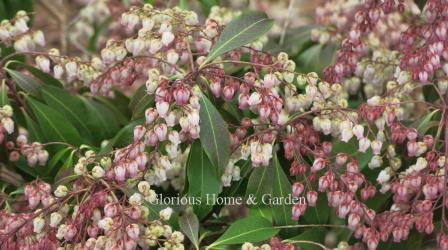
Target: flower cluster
{"type": "Point", "coordinates": [108, 223]}
{"type": "Point", "coordinates": [299, 115]}
{"type": "Point", "coordinates": [16, 32]}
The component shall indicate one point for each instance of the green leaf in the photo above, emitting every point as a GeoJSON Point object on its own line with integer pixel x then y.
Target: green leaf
{"type": "Point", "coordinates": [55, 159]}
{"type": "Point", "coordinates": [281, 188]}
{"type": "Point", "coordinates": [12, 6]}
{"type": "Point", "coordinates": [351, 148]}
{"type": "Point", "coordinates": [55, 127]}
{"type": "Point", "coordinates": [183, 4]}
{"type": "Point", "coordinates": [206, 5]}
{"type": "Point", "coordinates": [99, 119]}
{"type": "Point", "coordinates": [189, 224]}
{"type": "Point", "coordinates": [33, 129]}
{"type": "Point", "coordinates": [265, 212]}
{"type": "Point", "coordinates": [214, 135]}
{"type": "Point", "coordinates": [251, 229]}
{"type": "Point", "coordinates": [314, 235]}
{"type": "Point", "coordinates": [68, 105]}
{"type": "Point", "coordinates": [3, 94]}
{"type": "Point", "coordinates": [124, 137]}
{"type": "Point", "coordinates": [111, 105]}
{"type": "Point", "coordinates": [295, 41]}
{"type": "Point", "coordinates": [25, 82]}
{"type": "Point", "coordinates": [422, 125]}
{"type": "Point", "coordinates": [202, 177]}
{"type": "Point", "coordinates": [260, 183]}
{"type": "Point", "coordinates": [421, 4]}
{"type": "Point", "coordinates": [140, 102]}
{"type": "Point", "coordinates": [39, 74]}
{"type": "Point", "coordinates": [242, 30]}
{"type": "Point", "coordinates": [318, 214]}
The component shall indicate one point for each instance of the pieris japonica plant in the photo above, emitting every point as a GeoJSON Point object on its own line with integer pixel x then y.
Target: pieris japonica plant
{"type": "Point", "coordinates": [185, 130]}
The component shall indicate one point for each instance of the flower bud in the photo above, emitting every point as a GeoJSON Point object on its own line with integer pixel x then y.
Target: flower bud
{"type": "Point", "coordinates": [311, 197]}
{"type": "Point", "coordinates": [297, 189]}
{"type": "Point", "coordinates": [254, 99]}
{"type": "Point", "coordinates": [162, 108]}
{"type": "Point", "coordinates": [161, 131]}
{"type": "Point", "coordinates": [97, 172]}
{"type": "Point", "coordinates": [55, 219]}
{"type": "Point", "coordinates": [167, 38]}
{"type": "Point", "coordinates": [364, 144]}
{"type": "Point", "coordinates": [106, 224]}
{"type": "Point", "coordinates": [376, 147]}
{"type": "Point", "coordinates": [61, 191]}
{"type": "Point", "coordinates": [38, 224]}
{"type": "Point", "coordinates": [133, 231]}
{"type": "Point", "coordinates": [165, 214]}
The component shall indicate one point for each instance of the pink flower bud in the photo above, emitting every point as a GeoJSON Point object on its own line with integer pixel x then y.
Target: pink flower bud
{"type": "Point", "coordinates": [358, 131]}
{"type": "Point", "coordinates": [376, 147]}
{"type": "Point", "coordinates": [150, 115]}
{"type": "Point", "coordinates": [254, 99]}
{"type": "Point", "coordinates": [311, 197]}
{"type": "Point", "coordinates": [131, 169]}
{"type": "Point", "coordinates": [130, 244]}
{"type": "Point", "coordinates": [412, 147]}
{"type": "Point", "coordinates": [162, 108]}
{"type": "Point", "coordinates": [120, 173]}
{"type": "Point", "coordinates": [297, 189]}
{"type": "Point", "coordinates": [139, 132]}
{"type": "Point", "coordinates": [92, 230]}
{"type": "Point", "coordinates": [341, 159]}
{"type": "Point", "coordinates": [264, 111]}
{"type": "Point", "coordinates": [215, 86]}
{"type": "Point", "coordinates": [151, 138]}
{"type": "Point", "coordinates": [161, 131]}
{"type": "Point", "coordinates": [70, 232]}
{"type": "Point", "coordinates": [110, 210]}
{"type": "Point", "coordinates": [353, 221]}
{"type": "Point", "coordinates": [269, 81]}
{"type": "Point", "coordinates": [318, 164]}
{"type": "Point", "coordinates": [243, 101]}
{"type": "Point", "coordinates": [323, 184]}
{"type": "Point", "coordinates": [343, 210]}
{"type": "Point", "coordinates": [298, 210]}
{"type": "Point", "coordinates": [181, 95]}
{"type": "Point", "coordinates": [133, 231]}
{"type": "Point", "coordinates": [228, 93]}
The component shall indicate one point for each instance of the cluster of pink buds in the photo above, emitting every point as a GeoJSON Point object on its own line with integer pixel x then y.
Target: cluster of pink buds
{"type": "Point", "coordinates": [364, 19]}
{"type": "Point", "coordinates": [16, 32]}
{"type": "Point", "coordinates": [338, 16]}
{"type": "Point", "coordinates": [38, 193]}
{"type": "Point", "coordinates": [424, 46]}
{"type": "Point", "coordinates": [34, 152]}
{"type": "Point", "coordinates": [107, 222]}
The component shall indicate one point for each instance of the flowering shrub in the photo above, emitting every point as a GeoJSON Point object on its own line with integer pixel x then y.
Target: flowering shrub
{"type": "Point", "coordinates": [153, 141]}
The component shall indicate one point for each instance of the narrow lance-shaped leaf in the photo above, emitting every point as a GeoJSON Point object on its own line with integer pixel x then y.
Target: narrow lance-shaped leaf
{"type": "Point", "coordinates": [189, 224]}
{"type": "Point", "coordinates": [3, 94]}
{"type": "Point", "coordinates": [260, 183]}
{"type": "Point", "coordinates": [281, 189]}
{"type": "Point", "coordinates": [243, 30]}
{"type": "Point", "coordinates": [25, 82]}
{"type": "Point", "coordinates": [250, 229]}
{"type": "Point", "coordinates": [54, 126]}
{"type": "Point", "coordinates": [66, 104]}
{"type": "Point", "coordinates": [214, 135]}
{"type": "Point", "coordinates": [45, 78]}
{"type": "Point", "coordinates": [202, 177]}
